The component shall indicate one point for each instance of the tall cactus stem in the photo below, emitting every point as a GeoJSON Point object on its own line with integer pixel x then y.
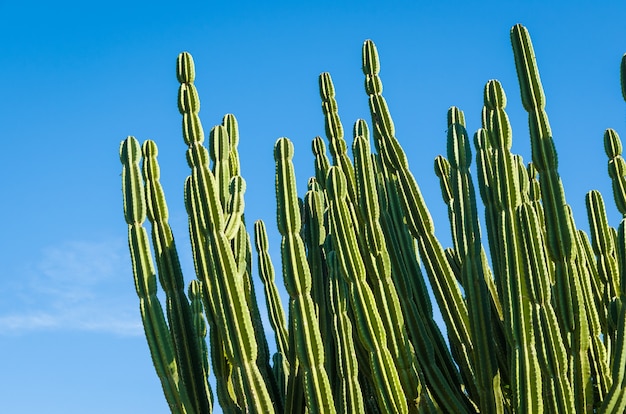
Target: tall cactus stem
{"type": "Point", "coordinates": [369, 324]}
{"type": "Point", "coordinates": [334, 132]}
{"type": "Point", "coordinates": [474, 271]}
{"type": "Point", "coordinates": [234, 320]}
{"type": "Point", "coordinates": [307, 339]}
{"type": "Point", "coordinates": [418, 219]}
{"type": "Point", "coordinates": [155, 327]}
{"type": "Point", "coordinates": [188, 353]}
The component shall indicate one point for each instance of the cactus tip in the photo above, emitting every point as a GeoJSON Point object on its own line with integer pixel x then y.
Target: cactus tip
{"type": "Point", "coordinates": [283, 149]}
{"type": "Point", "coordinates": [130, 150]}
{"type": "Point", "coordinates": [185, 71]}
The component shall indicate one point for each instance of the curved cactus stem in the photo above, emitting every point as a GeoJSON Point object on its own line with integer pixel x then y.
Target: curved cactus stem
{"type": "Point", "coordinates": [157, 333]}
{"type": "Point", "coordinates": [233, 315]}
{"type": "Point", "coordinates": [334, 132]}
{"type": "Point", "coordinates": [188, 354]}
{"type": "Point", "coordinates": [434, 357]}
{"type": "Point", "coordinates": [418, 220]}
{"type": "Point", "coordinates": [266, 271]}
{"type": "Point", "coordinates": [274, 306]}
{"type": "Point", "coordinates": [385, 289]}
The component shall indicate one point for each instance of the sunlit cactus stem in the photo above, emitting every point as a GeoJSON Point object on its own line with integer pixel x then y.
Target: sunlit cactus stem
{"type": "Point", "coordinates": [474, 267]}
{"type": "Point", "coordinates": [417, 216]}
{"type": "Point", "coordinates": [539, 326]}
{"type": "Point", "coordinates": [188, 353]}
{"type": "Point", "coordinates": [233, 315]}
{"type": "Point", "coordinates": [156, 329]}
{"type": "Point", "coordinates": [373, 338]}
{"type": "Point", "coordinates": [307, 339]}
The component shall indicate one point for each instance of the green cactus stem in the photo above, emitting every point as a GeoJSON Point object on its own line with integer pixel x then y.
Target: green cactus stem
{"type": "Point", "coordinates": [157, 332]}
{"type": "Point", "coordinates": [307, 338]}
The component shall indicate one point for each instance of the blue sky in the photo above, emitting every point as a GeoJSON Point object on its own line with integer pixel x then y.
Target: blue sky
{"type": "Point", "coordinates": [78, 77]}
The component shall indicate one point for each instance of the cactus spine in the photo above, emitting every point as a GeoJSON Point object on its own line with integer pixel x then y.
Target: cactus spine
{"type": "Point", "coordinates": [539, 326]}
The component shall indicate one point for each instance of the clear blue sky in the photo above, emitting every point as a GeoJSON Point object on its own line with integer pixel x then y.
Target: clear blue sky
{"type": "Point", "coordinates": [78, 77]}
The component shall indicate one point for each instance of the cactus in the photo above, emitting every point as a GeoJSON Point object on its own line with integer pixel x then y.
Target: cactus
{"type": "Point", "coordinates": [538, 324]}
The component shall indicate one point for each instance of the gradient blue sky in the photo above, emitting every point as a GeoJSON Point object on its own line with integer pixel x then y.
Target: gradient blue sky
{"type": "Point", "coordinates": [78, 77]}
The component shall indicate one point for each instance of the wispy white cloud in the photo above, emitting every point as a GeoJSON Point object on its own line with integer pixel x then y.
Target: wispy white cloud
{"type": "Point", "coordinates": [78, 285]}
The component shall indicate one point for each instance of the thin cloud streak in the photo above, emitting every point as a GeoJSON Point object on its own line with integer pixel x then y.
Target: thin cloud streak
{"type": "Point", "coordinates": [75, 286]}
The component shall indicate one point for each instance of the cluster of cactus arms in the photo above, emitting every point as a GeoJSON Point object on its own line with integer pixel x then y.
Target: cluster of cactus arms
{"type": "Point", "coordinates": [533, 307]}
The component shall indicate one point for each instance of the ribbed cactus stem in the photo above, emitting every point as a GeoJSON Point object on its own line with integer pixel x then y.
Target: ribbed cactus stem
{"type": "Point", "coordinates": [385, 290]}
{"type": "Point", "coordinates": [553, 357]}
{"type": "Point", "coordinates": [616, 167]}
{"type": "Point", "coordinates": [307, 339]}
{"type": "Point", "coordinates": [603, 245]}
{"type": "Point", "coordinates": [486, 185]}
{"type": "Point", "coordinates": [219, 151]}
{"type": "Point", "coordinates": [233, 319]}
{"type": "Point", "coordinates": [617, 172]}
{"type": "Point", "coordinates": [156, 330]}
{"type": "Point", "coordinates": [221, 367]}
{"type": "Point", "coordinates": [334, 131]}
{"type": "Point", "coordinates": [442, 170]}
{"type": "Point", "coordinates": [369, 325]}
{"type": "Point", "coordinates": [232, 128]}
{"type": "Point", "coordinates": [274, 305]}
{"type": "Point", "coordinates": [188, 353]}
{"type": "Point", "coordinates": [474, 268]}
{"type": "Point", "coordinates": [234, 210]}
{"type": "Point", "coordinates": [195, 293]}
{"type": "Point", "coordinates": [560, 243]}
{"type": "Point", "coordinates": [560, 228]}
{"type": "Point", "coordinates": [347, 389]}
{"type": "Point", "coordinates": [506, 193]}
{"type": "Point", "coordinates": [322, 164]}
{"type": "Point", "coordinates": [418, 219]}
{"type": "Point", "coordinates": [598, 334]}
{"type": "Point", "coordinates": [314, 235]}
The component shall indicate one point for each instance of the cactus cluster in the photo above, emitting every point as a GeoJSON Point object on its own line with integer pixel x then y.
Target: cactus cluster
{"type": "Point", "coordinates": [533, 307]}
